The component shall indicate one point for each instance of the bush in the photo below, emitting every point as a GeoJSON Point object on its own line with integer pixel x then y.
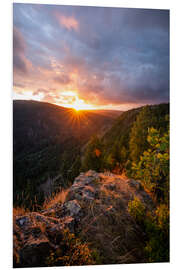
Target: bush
{"type": "Point", "coordinates": [157, 230]}
{"type": "Point", "coordinates": [137, 209]}
{"type": "Point", "coordinates": [70, 252]}
{"type": "Point", "coordinates": [153, 167]}
{"type": "Point", "coordinates": [156, 227]}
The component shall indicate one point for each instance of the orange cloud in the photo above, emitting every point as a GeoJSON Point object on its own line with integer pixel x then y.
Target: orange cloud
{"type": "Point", "coordinates": [68, 22]}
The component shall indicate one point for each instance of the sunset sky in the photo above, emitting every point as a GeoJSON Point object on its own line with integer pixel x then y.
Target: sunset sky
{"type": "Point", "coordinates": [91, 57]}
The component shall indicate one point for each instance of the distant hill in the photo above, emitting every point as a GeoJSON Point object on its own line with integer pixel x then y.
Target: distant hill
{"type": "Point", "coordinates": [47, 140]}
{"type": "Point", "coordinates": [111, 113]}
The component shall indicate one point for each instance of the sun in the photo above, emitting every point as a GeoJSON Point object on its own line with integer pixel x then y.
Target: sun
{"type": "Point", "coordinates": [79, 104]}
{"type": "Point", "coordinates": [70, 99]}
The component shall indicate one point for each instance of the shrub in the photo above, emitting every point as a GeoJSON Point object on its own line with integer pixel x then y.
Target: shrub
{"type": "Point", "coordinates": [137, 209]}
{"type": "Point", "coordinates": [153, 167]}
{"type": "Point", "coordinates": [156, 227]}
{"type": "Point", "coordinates": [70, 252]}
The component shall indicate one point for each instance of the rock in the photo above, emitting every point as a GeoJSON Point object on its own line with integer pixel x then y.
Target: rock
{"type": "Point", "coordinates": [69, 223]}
{"type": "Point", "coordinates": [23, 221]}
{"type": "Point", "coordinates": [135, 184]}
{"type": "Point", "coordinates": [84, 187]}
{"type": "Point", "coordinates": [55, 211]}
{"type": "Point", "coordinates": [88, 193]}
{"type": "Point", "coordinates": [111, 186]}
{"type": "Point", "coordinates": [44, 219]}
{"type": "Point", "coordinates": [72, 208]}
{"type": "Point", "coordinates": [34, 252]}
{"type": "Point", "coordinates": [37, 234]}
{"type": "Point", "coordinates": [54, 233]}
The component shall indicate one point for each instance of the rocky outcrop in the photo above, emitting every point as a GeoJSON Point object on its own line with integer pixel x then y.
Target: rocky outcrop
{"type": "Point", "coordinates": [96, 208]}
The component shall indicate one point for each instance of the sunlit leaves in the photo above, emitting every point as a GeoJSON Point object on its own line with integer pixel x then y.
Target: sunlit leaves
{"type": "Point", "coordinates": [153, 167]}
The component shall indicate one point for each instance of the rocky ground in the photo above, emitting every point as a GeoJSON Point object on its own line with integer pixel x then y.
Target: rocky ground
{"type": "Point", "coordinates": [96, 210]}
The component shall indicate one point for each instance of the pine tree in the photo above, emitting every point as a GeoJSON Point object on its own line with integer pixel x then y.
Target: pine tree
{"type": "Point", "coordinates": [138, 143]}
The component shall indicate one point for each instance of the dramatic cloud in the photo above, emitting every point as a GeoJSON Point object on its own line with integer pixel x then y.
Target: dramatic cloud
{"type": "Point", "coordinates": [19, 47]}
{"type": "Point", "coordinates": [68, 22]}
{"type": "Point", "coordinates": [108, 57]}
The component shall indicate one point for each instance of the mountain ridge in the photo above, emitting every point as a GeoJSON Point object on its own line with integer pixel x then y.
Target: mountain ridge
{"type": "Point", "coordinates": [47, 141]}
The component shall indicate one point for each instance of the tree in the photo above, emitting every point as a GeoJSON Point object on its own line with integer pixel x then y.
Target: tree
{"type": "Point", "coordinates": [153, 167]}
{"type": "Point", "coordinates": [93, 158]}
{"type": "Point", "coordinates": [138, 143]}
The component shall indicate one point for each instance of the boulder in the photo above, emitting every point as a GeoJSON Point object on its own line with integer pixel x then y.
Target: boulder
{"type": "Point", "coordinates": [72, 208]}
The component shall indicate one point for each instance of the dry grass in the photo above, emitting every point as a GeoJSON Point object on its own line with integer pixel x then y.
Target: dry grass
{"type": "Point", "coordinates": [59, 197]}
{"type": "Point", "coordinates": [19, 211]}
{"type": "Point", "coordinates": [108, 226]}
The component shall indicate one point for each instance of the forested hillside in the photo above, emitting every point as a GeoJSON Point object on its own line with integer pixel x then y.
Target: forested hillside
{"type": "Point", "coordinates": [47, 141]}
{"type": "Point", "coordinates": [126, 141]}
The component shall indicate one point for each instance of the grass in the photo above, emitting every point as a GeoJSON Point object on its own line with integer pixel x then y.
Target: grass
{"type": "Point", "coordinates": [19, 211]}
{"type": "Point", "coordinates": [59, 197]}
{"type": "Point", "coordinates": [109, 228]}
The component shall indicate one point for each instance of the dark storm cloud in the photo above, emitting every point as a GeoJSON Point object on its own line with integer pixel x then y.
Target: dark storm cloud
{"type": "Point", "coordinates": [118, 55]}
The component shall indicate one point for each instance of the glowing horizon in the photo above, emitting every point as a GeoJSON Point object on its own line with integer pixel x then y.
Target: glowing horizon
{"type": "Point", "coordinates": [76, 106]}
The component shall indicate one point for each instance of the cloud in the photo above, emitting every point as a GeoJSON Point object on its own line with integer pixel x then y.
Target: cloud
{"type": "Point", "coordinates": [69, 22]}
{"type": "Point", "coordinates": [19, 85]}
{"type": "Point", "coordinates": [62, 79]}
{"type": "Point", "coordinates": [107, 55]}
{"type": "Point", "coordinates": [20, 62]}
{"type": "Point", "coordinates": [40, 90]}
{"type": "Point", "coordinates": [49, 98]}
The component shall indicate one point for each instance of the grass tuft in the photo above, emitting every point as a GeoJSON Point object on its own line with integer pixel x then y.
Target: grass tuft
{"type": "Point", "coordinates": [59, 197]}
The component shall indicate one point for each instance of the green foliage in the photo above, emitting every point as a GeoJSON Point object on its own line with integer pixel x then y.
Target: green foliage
{"type": "Point", "coordinates": [153, 171]}
{"type": "Point", "coordinates": [116, 140]}
{"type": "Point", "coordinates": [157, 230]}
{"type": "Point", "coordinates": [126, 140]}
{"type": "Point", "coordinates": [94, 158]}
{"type": "Point", "coordinates": [148, 117]}
{"type": "Point", "coordinates": [138, 143]}
{"type": "Point", "coordinates": [117, 157]}
{"type": "Point", "coordinates": [155, 224]}
{"type": "Point", "coordinates": [70, 252]}
{"type": "Point", "coordinates": [137, 209]}
{"type": "Point", "coordinates": [162, 217]}
{"type": "Point", "coordinates": [153, 167]}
